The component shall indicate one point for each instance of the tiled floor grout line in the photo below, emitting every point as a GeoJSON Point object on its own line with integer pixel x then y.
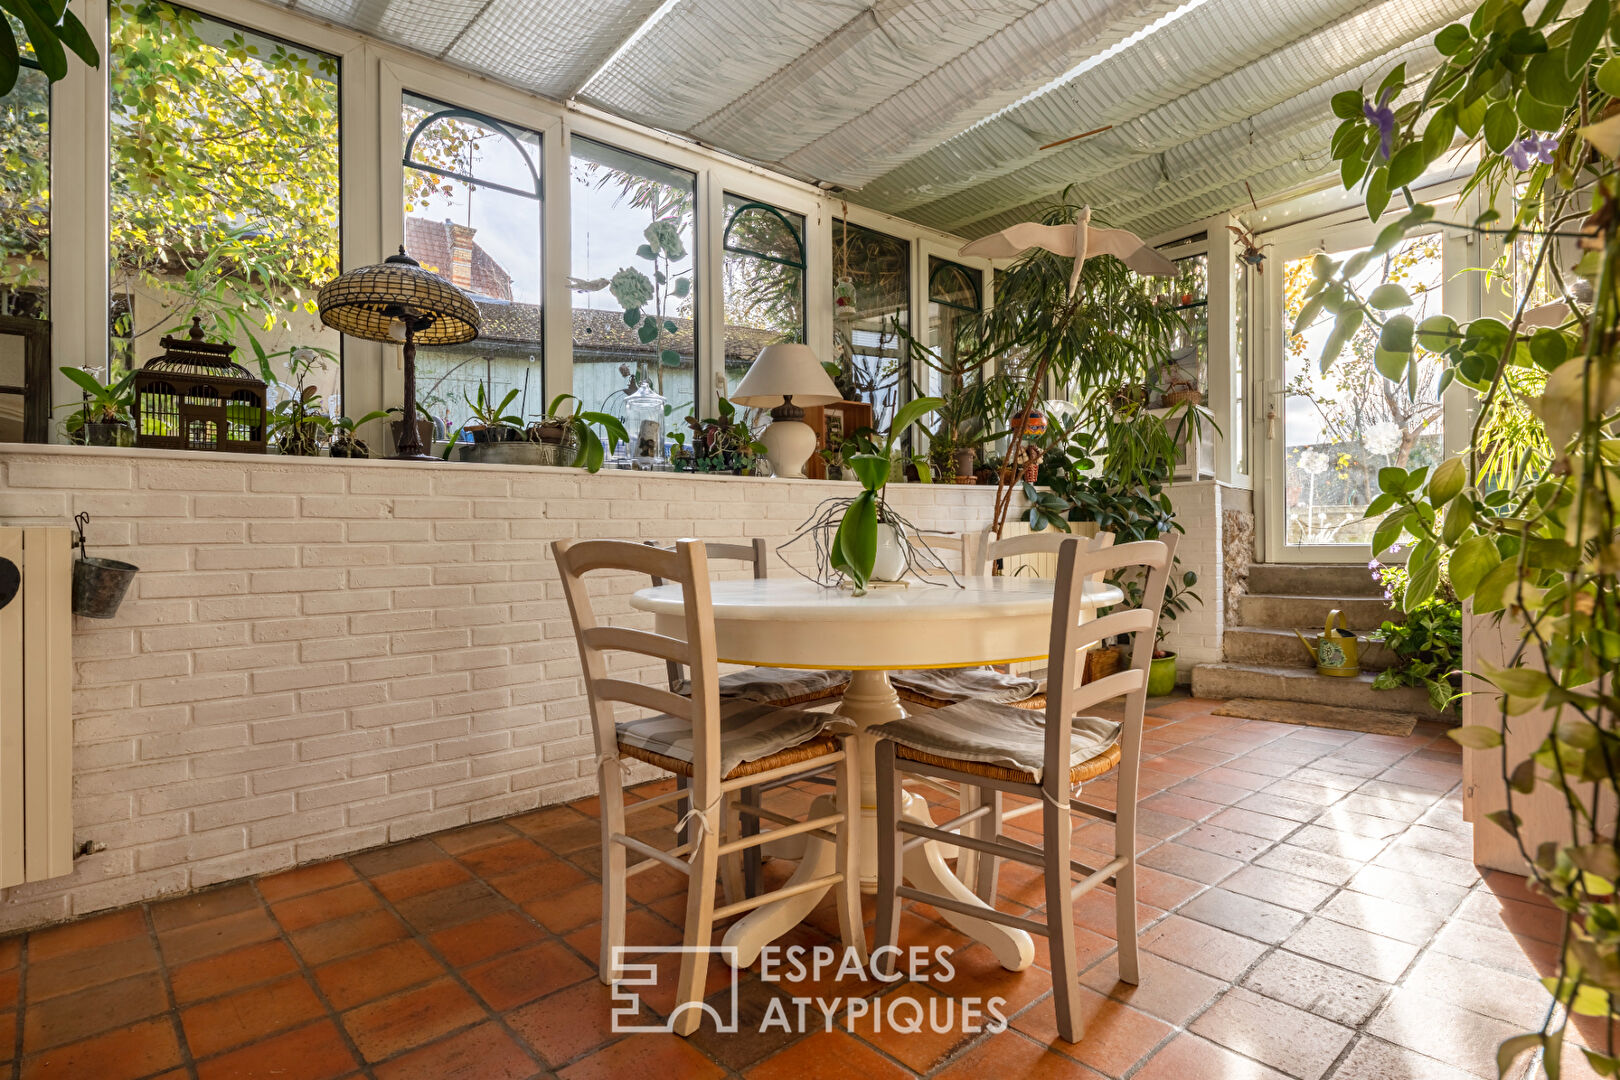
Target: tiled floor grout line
{"type": "Point", "coordinates": [426, 943]}
{"type": "Point", "coordinates": [186, 1057]}
{"type": "Point", "coordinates": [308, 974]}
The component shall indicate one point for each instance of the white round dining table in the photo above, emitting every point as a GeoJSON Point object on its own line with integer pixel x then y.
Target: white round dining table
{"type": "Point", "coordinates": [777, 622]}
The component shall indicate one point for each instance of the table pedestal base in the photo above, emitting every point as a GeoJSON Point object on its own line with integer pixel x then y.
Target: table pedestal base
{"type": "Point", "coordinates": [871, 700]}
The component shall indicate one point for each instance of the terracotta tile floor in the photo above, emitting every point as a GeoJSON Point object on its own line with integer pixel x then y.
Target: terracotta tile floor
{"type": "Point", "coordinates": [1307, 903]}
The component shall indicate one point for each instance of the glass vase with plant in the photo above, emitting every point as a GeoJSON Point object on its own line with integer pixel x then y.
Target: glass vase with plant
{"type": "Point", "coordinates": [103, 416]}
{"type": "Point", "coordinates": [297, 423]}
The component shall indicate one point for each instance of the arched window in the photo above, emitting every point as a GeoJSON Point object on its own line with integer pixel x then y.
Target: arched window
{"type": "Point", "coordinates": [954, 294]}
{"type": "Point", "coordinates": [953, 285]}
{"type": "Point", "coordinates": [473, 216]}
{"type": "Point", "coordinates": [764, 281]}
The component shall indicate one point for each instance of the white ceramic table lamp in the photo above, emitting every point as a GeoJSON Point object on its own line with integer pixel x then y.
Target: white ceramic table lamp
{"type": "Point", "coordinates": [784, 379]}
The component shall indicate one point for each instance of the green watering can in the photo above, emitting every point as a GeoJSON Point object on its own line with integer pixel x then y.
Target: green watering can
{"type": "Point", "coordinates": [1335, 651]}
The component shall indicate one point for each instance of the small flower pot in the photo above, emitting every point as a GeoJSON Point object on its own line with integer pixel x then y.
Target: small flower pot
{"type": "Point", "coordinates": [1162, 675]}
{"type": "Point", "coordinates": [348, 448]}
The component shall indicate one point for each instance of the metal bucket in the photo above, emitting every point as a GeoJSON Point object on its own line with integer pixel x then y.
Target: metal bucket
{"type": "Point", "coordinates": [99, 586]}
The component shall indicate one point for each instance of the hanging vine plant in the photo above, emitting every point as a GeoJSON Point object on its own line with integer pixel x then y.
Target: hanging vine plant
{"type": "Point", "coordinates": [1529, 517]}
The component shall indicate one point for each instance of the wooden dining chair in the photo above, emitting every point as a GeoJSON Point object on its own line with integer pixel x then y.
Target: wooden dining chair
{"type": "Point", "coordinates": [721, 745]}
{"type": "Point", "coordinates": [773, 686]}
{"type": "Point", "coordinates": [1046, 758]}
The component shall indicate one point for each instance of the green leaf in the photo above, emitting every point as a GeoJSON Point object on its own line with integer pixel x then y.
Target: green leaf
{"type": "Point", "coordinates": [1377, 193]}
{"type": "Point", "coordinates": [670, 358]}
{"type": "Point", "coordinates": [1490, 593]}
{"type": "Point", "coordinates": [1451, 39]}
{"type": "Point", "coordinates": [1406, 166]}
{"type": "Point", "coordinates": [1459, 516]}
{"type": "Point", "coordinates": [871, 469]}
{"type": "Point", "coordinates": [1423, 576]}
{"type": "Point", "coordinates": [1437, 136]}
{"type": "Point", "coordinates": [909, 414]}
{"type": "Point", "coordinates": [646, 332]}
{"type": "Point", "coordinates": [1437, 333]}
{"type": "Point", "coordinates": [855, 544]}
{"type": "Point", "coordinates": [1546, 78]}
{"type": "Point", "coordinates": [1389, 531]}
{"type": "Point", "coordinates": [1390, 295]}
{"type": "Point", "coordinates": [1501, 125]}
{"type": "Point", "coordinates": [1447, 481]}
{"type": "Point", "coordinates": [1393, 83]}
{"type": "Point", "coordinates": [1308, 313]}
{"type": "Point", "coordinates": [1608, 77]}
{"type": "Point", "coordinates": [1475, 737]}
{"type": "Point", "coordinates": [1537, 114]}
{"type": "Point", "coordinates": [1353, 166]}
{"type": "Point", "coordinates": [1347, 103]}
{"type": "Point", "coordinates": [645, 251]}
{"type": "Point", "coordinates": [1520, 682]}
{"type": "Point", "coordinates": [1586, 36]}
{"type": "Point", "coordinates": [9, 65]}
{"type": "Point", "coordinates": [632, 316]}
{"type": "Point", "coordinates": [1345, 327]}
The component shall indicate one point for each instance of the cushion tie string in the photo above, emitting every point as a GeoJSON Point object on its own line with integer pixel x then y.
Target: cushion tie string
{"type": "Point", "coordinates": [699, 818]}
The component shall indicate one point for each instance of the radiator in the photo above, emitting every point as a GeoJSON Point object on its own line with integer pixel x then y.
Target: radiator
{"type": "Point", "coordinates": [36, 716]}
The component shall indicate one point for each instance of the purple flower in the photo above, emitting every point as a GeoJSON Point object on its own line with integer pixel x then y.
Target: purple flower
{"type": "Point", "coordinates": [1382, 117]}
{"type": "Point", "coordinates": [1531, 150]}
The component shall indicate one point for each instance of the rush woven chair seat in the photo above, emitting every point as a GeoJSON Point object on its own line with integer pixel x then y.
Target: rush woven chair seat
{"type": "Point", "coordinates": [754, 739]}
{"type": "Point", "coordinates": [720, 747]}
{"type": "Point", "coordinates": [990, 750]}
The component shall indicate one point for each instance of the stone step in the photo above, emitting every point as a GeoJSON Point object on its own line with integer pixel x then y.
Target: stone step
{"type": "Point", "coordinates": [1276, 647]}
{"type": "Point", "coordinates": [1331, 579]}
{"type": "Point", "coordinates": [1311, 611]}
{"type": "Point", "coordinates": [1304, 685]}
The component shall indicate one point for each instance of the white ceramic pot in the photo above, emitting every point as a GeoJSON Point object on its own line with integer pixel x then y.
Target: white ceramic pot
{"type": "Point", "coordinates": [891, 556]}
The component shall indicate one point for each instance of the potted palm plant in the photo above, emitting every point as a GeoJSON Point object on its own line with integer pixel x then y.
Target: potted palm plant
{"type": "Point", "coordinates": [102, 418]}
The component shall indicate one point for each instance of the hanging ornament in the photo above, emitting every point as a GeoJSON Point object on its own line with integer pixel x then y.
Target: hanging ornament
{"type": "Point", "coordinates": [844, 300]}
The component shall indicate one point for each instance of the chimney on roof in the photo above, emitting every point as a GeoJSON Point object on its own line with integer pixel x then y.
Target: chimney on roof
{"type": "Point", "coordinates": [461, 255]}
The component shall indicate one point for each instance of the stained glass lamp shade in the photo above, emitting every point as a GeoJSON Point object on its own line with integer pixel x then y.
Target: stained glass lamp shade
{"type": "Point", "coordinates": [397, 300]}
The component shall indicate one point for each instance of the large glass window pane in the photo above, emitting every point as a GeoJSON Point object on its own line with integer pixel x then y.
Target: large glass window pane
{"type": "Point", "coordinates": [1342, 427]}
{"type": "Point", "coordinates": [25, 234]}
{"type": "Point", "coordinates": [224, 192]}
{"type": "Point", "coordinates": [764, 281]}
{"type": "Point", "coordinates": [473, 216]}
{"type": "Point", "coordinates": [871, 295]}
{"type": "Point", "coordinates": [635, 295]}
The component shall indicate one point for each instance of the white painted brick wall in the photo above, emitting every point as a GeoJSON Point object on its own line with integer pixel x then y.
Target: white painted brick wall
{"type": "Point", "coordinates": [322, 656]}
{"type": "Point", "coordinates": [1196, 636]}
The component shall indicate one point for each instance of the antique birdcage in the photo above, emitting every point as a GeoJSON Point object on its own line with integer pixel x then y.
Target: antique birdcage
{"type": "Point", "coordinates": [195, 397]}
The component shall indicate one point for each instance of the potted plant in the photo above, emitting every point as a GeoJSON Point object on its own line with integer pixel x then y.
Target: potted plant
{"type": "Point", "coordinates": [296, 424]}
{"type": "Point", "coordinates": [577, 428]}
{"type": "Point", "coordinates": [102, 418]}
{"type": "Point", "coordinates": [868, 543]}
{"type": "Point", "coordinates": [345, 442]}
{"type": "Point", "coordinates": [1178, 598]}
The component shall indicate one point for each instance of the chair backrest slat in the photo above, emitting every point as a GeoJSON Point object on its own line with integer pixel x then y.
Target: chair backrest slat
{"type": "Point", "coordinates": [687, 566]}
{"type": "Point", "coordinates": [1046, 542]}
{"type": "Point", "coordinates": [627, 639]}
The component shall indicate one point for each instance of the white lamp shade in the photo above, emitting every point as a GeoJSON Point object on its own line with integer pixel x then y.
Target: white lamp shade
{"type": "Point", "coordinates": [782, 370]}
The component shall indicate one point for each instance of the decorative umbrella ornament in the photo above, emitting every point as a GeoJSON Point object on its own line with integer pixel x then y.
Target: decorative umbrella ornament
{"type": "Point", "coordinates": [1080, 242]}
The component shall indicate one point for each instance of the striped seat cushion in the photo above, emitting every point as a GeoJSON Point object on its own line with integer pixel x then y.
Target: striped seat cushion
{"type": "Point", "coordinates": [960, 684]}
{"type": "Point", "coordinates": [749, 730]}
{"type": "Point", "coordinates": [777, 686]}
{"type": "Point", "coordinates": [984, 731]}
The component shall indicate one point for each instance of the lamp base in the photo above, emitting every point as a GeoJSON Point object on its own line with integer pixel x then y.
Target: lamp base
{"type": "Point", "coordinates": [788, 445]}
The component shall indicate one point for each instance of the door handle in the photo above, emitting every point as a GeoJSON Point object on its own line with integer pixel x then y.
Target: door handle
{"type": "Point", "coordinates": [10, 581]}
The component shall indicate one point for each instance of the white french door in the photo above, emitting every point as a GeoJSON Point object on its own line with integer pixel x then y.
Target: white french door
{"type": "Point", "coordinates": [1326, 435]}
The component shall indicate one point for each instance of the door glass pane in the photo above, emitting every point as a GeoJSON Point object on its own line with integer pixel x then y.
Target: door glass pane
{"type": "Point", "coordinates": [1342, 427]}
{"type": "Point", "coordinates": [635, 295]}
{"type": "Point", "coordinates": [203, 116]}
{"type": "Point", "coordinates": [473, 216]}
